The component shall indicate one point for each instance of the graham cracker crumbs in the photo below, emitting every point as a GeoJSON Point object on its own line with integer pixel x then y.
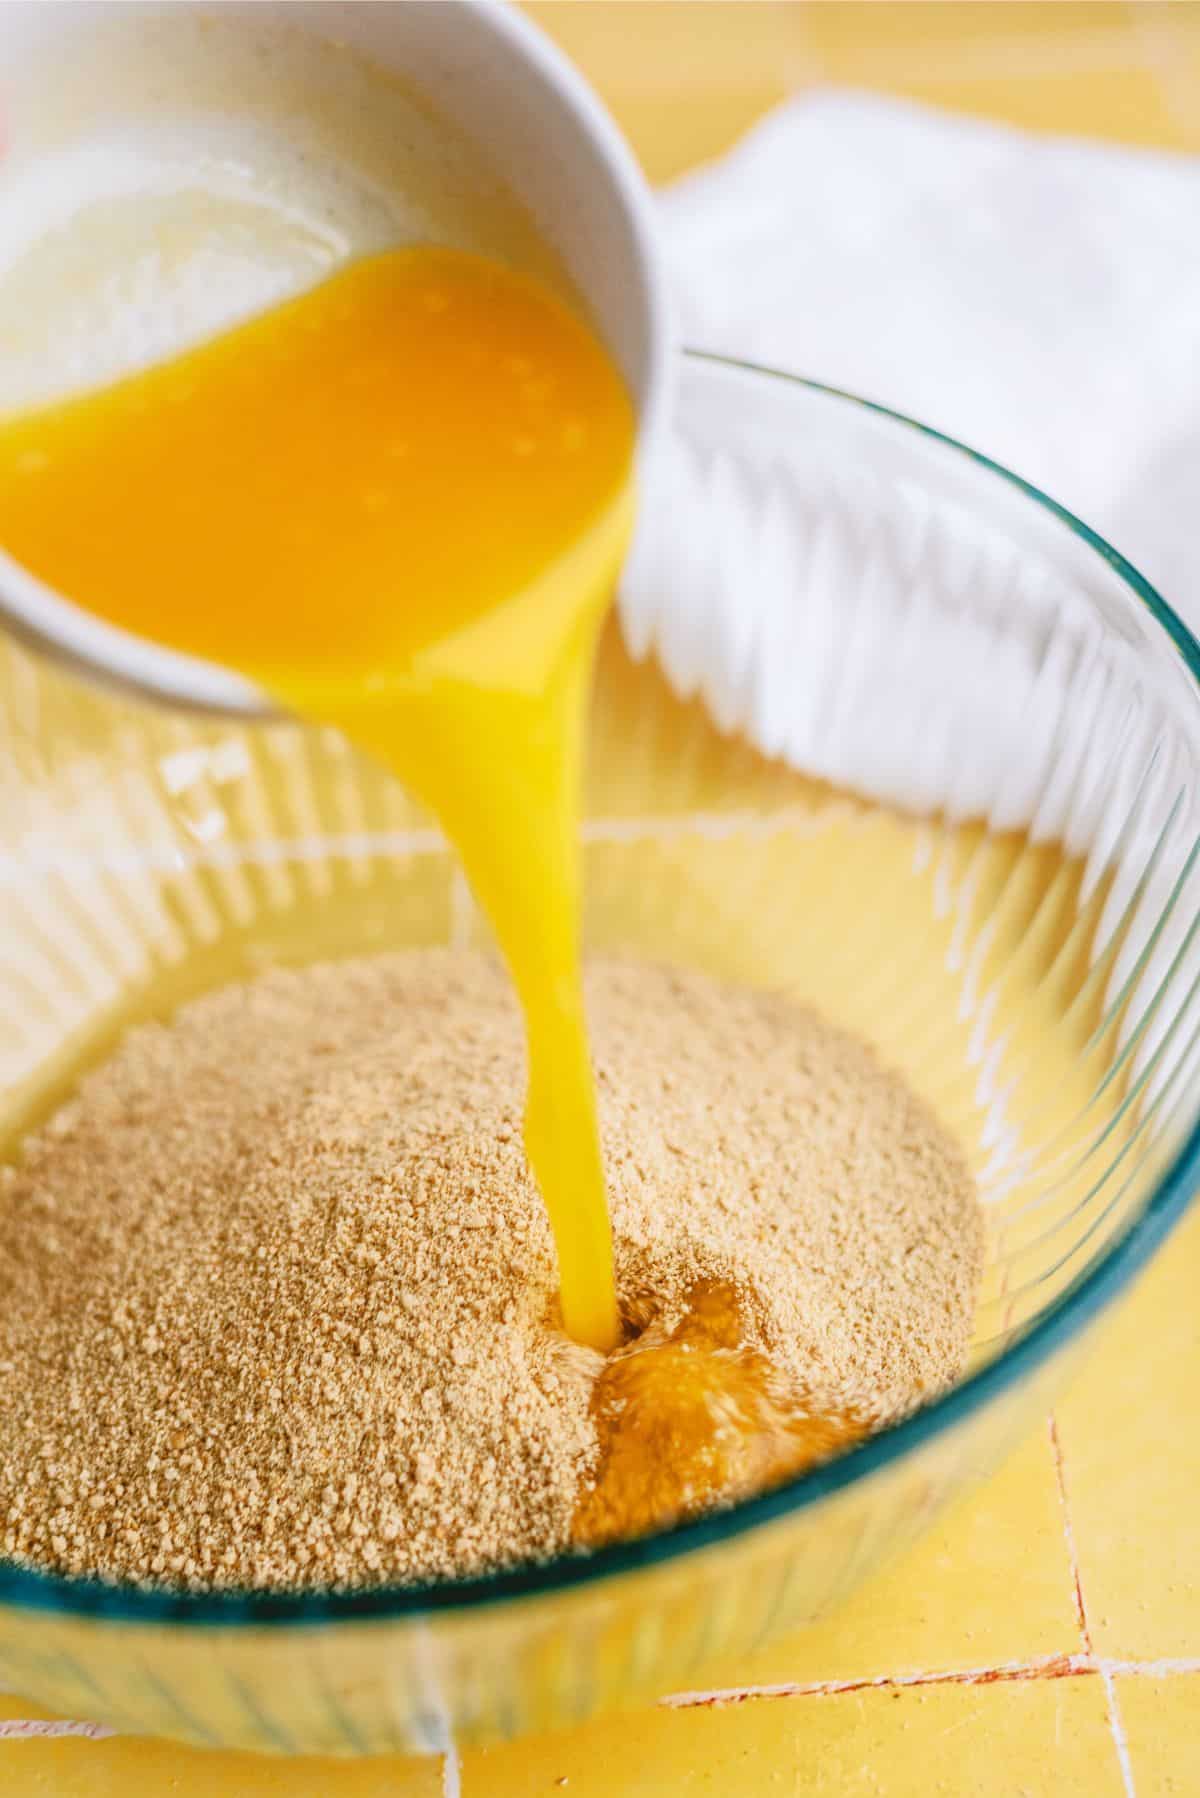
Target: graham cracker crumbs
{"type": "Point", "coordinates": [277, 1302]}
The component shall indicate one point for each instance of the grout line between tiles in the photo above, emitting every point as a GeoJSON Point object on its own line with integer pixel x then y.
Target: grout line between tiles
{"type": "Point", "coordinates": [1085, 1634]}
{"type": "Point", "coordinates": [1051, 1666]}
{"type": "Point", "coordinates": [1169, 1667]}
{"type": "Point", "coordinates": [1115, 1723]}
{"type": "Point", "coordinates": [451, 1774]}
{"type": "Point", "coordinates": [23, 1729]}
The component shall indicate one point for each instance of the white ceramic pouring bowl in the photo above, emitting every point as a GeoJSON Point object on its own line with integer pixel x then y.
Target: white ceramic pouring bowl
{"type": "Point", "coordinates": [496, 79]}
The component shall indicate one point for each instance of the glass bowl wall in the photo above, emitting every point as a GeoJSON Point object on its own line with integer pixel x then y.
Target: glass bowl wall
{"type": "Point", "coordinates": [934, 769]}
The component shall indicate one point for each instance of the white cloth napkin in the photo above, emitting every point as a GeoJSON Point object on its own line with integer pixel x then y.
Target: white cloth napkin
{"type": "Point", "coordinates": [1038, 298]}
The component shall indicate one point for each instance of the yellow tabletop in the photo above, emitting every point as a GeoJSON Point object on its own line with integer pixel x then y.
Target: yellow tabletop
{"type": "Point", "coordinates": [1045, 1640]}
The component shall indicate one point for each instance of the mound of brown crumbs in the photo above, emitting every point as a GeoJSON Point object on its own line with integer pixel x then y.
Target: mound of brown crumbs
{"type": "Point", "coordinates": [277, 1294]}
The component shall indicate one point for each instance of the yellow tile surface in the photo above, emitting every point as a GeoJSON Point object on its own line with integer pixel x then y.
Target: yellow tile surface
{"type": "Point", "coordinates": [1130, 101]}
{"type": "Point", "coordinates": [700, 75]}
{"type": "Point", "coordinates": [961, 1599]}
{"type": "Point", "coordinates": [1131, 1448]}
{"type": "Point", "coordinates": [899, 31]}
{"type": "Point", "coordinates": [992, 1586]}
{"type": "Point", "coordinates": [1085, 68]}
{"type": "Point", "coordinates": [77, 1767]}
{"type": "Point", "coordinates": [702, 72]}
{"type": "Point", "coordinates": [1162, 1729]}
{"type": "Point", "coordinates": [1043, 1738]}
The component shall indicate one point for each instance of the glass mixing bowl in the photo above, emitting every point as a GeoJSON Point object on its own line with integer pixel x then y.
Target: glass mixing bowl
{"type": "Point", "coordinates": [903, 738]}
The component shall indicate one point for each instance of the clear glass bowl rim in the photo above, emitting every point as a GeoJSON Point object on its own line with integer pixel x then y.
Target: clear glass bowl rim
{"type": "Point", "coordinates": [1075, 1308]}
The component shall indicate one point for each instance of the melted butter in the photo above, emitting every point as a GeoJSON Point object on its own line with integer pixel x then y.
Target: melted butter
{"type": "Point", "coordinates": [691, 1416]}
{"type": "Point", "coordinates": [399, 503]}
